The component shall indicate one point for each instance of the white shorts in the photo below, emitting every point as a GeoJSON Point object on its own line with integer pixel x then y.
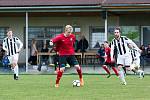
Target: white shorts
{"type": "Point", "coordinates": [13, 58]}
{"type": "Point", "coordinates": [125, 59]}
{"type": "Point", "coordinates": [135, 64]}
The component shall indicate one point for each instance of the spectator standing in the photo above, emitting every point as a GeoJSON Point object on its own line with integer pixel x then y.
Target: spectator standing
{"type": "Point", "coordinates": [83, 44]}
{"type": "Point", "coordinates": [33, 58]}
{"type": "Point", "coordinates": [76, 45]}
{"type": "Point", "coordinates": [44, 58]}
{"type": "Point", "coordinates": [2, 52]}
{"type": "Point", "coordinates": [143, 54]}
{"type": "Point", "coordinates": [148, 51]}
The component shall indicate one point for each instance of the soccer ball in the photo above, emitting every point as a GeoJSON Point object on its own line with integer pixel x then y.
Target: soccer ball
{"type": "Point", "coordinates": [76, 83]}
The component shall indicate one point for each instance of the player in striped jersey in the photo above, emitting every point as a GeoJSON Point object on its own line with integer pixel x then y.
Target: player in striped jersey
{"type": "Point", "coordinates": [124, 57]}
{"type": "Point", "coordinates": [12, 45]}
{"type": "Point", "coordinates": [135, 61]}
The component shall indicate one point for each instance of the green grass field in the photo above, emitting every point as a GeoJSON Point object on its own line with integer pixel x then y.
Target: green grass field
{"type": "Point", "coordinates": [97, 87]}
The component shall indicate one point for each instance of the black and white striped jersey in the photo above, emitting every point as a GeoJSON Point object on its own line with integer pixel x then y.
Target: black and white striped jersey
{"type": "Point", "coordinates": [12, 45]}
{"type": "Point", "coordinates": [121, 45]}
{"type": "Point", "coordinates": [135, 54]}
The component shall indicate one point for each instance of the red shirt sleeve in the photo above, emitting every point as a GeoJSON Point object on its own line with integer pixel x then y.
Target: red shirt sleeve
{"type": "Point", "coordinates": [56, 39]}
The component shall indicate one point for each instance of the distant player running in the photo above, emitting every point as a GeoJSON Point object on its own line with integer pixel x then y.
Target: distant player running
{"type": "Point", "coordinates": [12, 45]}
{"type": "Point", "coordinates": [65, 45]}
{"type": "Point", "coordinates": [135, 66]}
{"type": "Point", "coordinates": [108, 60]}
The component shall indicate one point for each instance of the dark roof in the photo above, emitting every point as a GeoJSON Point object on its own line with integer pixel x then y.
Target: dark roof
{"type": "Point", "coordinates": [127, 1]}
{"type": "Point", "coordinates": [70, 3]}
{"type": "Point", "coordinates": [121, 4]}
{"type": "Point", "coordinates": [6, 3]}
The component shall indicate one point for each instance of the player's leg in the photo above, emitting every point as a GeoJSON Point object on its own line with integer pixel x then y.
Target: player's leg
{"type": "Point", "coordinates": [62, 62]}
{"type": "Point", "coordinates": [120, 63]}
{"type": "Point", "coordinates": [141, 72]}
{"type": "Point", "coordinates": [15, 66]}
{"type": "Point", "coordinates": [12, 64]}
{"type": "Point", "coordinates": [56, 63]}
{"type": "Point", "coordinates": [106, 69]}
{"type": "Point", "coordinates": [125, 70]}
{"type": "Point", "coordinates": [114, 69]}
{"type": "Point", "coordinates": [121, 74]}
{"type": "Point", "coordinates": [73, 61]}
{"type": "Point", "coordinates": [135, 68]}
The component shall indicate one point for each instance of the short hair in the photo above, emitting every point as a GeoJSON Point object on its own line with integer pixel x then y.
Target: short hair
{"type": "Point", "coordinates": [106, 42]}
{"type": "Point", "coordinates": [9, 29]}
{"type": "Point", "coordinates": [118, 28]}
{"type": "Point", "coordinates": [68, 26]}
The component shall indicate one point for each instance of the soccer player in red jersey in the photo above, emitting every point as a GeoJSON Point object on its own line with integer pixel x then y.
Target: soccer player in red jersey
{"type": "Point", "coordinates": [65, 46]}
{"type": "Point", "coordinates": [108, 60]}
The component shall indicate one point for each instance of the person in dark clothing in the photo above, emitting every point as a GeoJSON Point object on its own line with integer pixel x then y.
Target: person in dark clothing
{"type": "Point", "coordinates": [147, 58]}
{"type": "Point", "coordinates": [44, 58]}
{"type": "Point", "coordinates": [76, 45]}
{"type": "Point", "coordinates": [101, 53]}
{"type": "Point", "coordinates": [83, 44]}
{"type": "Point", "coordinates": [143, 54]}
{"type": "Point", "coordinates": [45, 49]}
{"type": "Point", "coordinates": [2, 52]}
{"type": "Point", "coordinates": [148, 51]}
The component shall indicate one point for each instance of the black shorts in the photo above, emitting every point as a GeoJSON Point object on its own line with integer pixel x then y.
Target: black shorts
{"type": "Point", "coordinates": [70, 59]}
{"type": "Point", "coordinates": [109, 64]}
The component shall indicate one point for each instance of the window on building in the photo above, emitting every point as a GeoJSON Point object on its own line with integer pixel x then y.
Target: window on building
{"type": "Point", "coordinates": [77, 31]}
{"type": "Point", "coordinates": [96, 37]}
{"type": "Point", "coordinates": [3, 34]}
{"type": "Point", "coordinates": [43, 34]}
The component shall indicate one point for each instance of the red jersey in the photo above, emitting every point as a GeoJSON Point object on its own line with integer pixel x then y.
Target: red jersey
{"type": "Point", "coordinates": [107, 52]}
{"type": "Point", "coordinates": [65, 44]}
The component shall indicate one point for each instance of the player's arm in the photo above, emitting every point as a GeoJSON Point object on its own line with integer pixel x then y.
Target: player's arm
{"type": "Point", "coordinates": [129, 41]}
{"type": "Point", "coordinates": [20, 44]}
{"type": "Point", "coordinates": [112, 51]}
{"type": "Point", "coordinates": [4, 45]}
{"type": "Point", "coordinates": [54, 40]}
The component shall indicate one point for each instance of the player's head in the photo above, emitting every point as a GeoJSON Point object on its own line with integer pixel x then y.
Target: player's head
{"type": "Point", "coordinates": [117, 32]}
{"type": "Point", "coordinates": [68, 30]}
{"type": "Point", "coordinates": [33, 41]}
{"type": "Point", "coordinates": [106, 44]}
{"type": "Point", "coordinates": [9, 32]}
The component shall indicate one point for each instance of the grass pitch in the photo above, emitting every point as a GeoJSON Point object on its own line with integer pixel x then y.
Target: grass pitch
{"type": "Point", "coordinates": [97, 87]}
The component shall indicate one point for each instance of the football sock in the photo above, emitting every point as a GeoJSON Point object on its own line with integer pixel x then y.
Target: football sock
{"type": "Point", "coordinates": [14, 76]}
{"type": "Point", "coordinates": [79, 70]}
{"type": "Point", "coordinates": [134, 71]}
{"type": "Point", "coordinates": [106, 69]}
{"type": "Point", "coordinates": [59, 75]}
{"type": "Point", "coordinates": [121, 74]}
{"type": "Point", "coordinates": [125, 71]}
{"type": "Point", "coordinates": [139, 71]}
{"type": "Point", "coordinates": [115, 70]}
{"type": "Point", "coordinates": [16, 70]}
